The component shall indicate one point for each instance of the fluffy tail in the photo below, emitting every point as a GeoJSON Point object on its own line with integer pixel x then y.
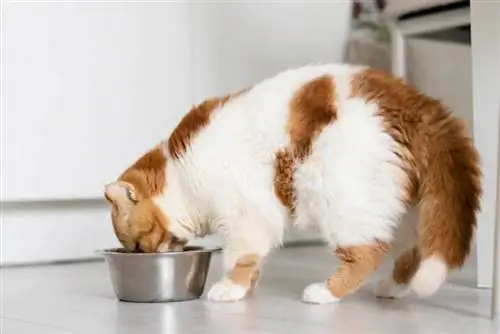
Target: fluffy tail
{"type": "Point", "coordinates": [450, 188]}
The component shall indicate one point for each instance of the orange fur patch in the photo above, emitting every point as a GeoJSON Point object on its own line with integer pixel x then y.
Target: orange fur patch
{"type": "Point", "coordinates": [147, 174]}
{"type": "Point", "coordinates": [197, 118]}
{"type": "Point", "coordinates": [246, 271]}
{"type": "Point", "coordinates": [311, 109]}
{"type": "Point", "coordinates": [439, 158]}
{"type": "Point", "coordinates": [283, 179]}
{"type": "Point", "coordinates": [358, 263]}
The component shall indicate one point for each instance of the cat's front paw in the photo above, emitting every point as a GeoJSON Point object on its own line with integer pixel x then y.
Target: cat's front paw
{"type": "Point", "coordinates": [318, 293]}
{"type": "Point", "coordinates": [226, 291]}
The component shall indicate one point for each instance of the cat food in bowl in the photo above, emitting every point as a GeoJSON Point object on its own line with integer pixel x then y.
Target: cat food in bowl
{"type": "Point", "coordinates": [159, 277]}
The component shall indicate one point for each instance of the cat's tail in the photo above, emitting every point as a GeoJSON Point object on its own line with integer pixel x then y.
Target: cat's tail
{"type": "Point", "coordinates": [450, 188]}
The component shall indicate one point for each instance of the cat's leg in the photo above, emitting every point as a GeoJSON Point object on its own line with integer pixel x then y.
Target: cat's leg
{"type": "Point", "coordinates": [242, 271]}
{"type": "Point", "coordinates": [244, 250]}
{"type": "Point", "coordinates": [357, 264]}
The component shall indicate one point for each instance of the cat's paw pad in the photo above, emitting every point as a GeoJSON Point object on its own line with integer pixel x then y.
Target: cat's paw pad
{"type": "Point", "coordinates": [389, 289]}
{"type": "Point", "coordinates": [318, 293]}
{"type": "Point", "coordinates": [226, 291]}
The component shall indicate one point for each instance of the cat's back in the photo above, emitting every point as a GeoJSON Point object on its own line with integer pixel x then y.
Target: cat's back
{"type": "Point", "coordinates": [282, 89]}
{"type": "Point", "coordinates": [260, 118]}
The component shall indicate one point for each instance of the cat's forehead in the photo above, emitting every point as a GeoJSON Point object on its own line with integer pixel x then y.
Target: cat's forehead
{"type": "Point", "coordinates": [147, 176]}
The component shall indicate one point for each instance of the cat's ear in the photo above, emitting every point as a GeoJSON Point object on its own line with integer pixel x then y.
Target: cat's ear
{"type": "Point", "coordinates": [120, 192]}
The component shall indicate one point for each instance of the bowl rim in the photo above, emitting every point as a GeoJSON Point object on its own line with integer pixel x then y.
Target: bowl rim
{"type": "Point", "coordinates": [194, 250]}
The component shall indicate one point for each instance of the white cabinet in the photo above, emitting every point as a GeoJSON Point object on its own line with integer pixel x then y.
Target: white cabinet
{"type": "Point", "coordinates": [88, 88]}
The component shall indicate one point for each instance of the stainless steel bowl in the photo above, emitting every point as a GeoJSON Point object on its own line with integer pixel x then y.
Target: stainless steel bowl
{"type": "Point", "coordinates": [159, 277]}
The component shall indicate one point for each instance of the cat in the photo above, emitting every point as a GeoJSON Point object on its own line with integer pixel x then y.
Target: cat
{"type": "Point", "coordinates": [372, 162]}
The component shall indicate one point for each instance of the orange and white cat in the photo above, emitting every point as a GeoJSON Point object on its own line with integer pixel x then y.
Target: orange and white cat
{"type": "Point", "coordinates": [369, 160]}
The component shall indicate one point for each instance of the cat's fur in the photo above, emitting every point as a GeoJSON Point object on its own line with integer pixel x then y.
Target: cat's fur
{"type": "Point", "coordinates": [369, 160]}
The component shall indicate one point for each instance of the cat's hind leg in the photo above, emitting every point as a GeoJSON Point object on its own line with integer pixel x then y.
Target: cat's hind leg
{"type": "Point", "coordinates": [357, 264]}
{"type": "Point", "coordinates": [361, 230]}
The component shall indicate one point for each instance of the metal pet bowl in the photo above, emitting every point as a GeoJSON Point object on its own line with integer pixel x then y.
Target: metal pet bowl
{"type": "Point", "coordinates": [159, 277]}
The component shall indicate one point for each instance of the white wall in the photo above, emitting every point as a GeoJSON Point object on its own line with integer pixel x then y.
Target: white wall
{"type": "Point", "coordinates": [73, 72]}
{"type": "Point", "coordinates": [242, 42]}
{"type": "Point", "coordinates": [430, 69]}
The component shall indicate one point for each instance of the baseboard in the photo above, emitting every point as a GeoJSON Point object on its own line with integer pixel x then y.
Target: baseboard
{"type": "Point", "coordinates": [68, 231]}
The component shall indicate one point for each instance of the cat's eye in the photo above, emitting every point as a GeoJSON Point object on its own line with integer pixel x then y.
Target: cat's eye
{"type": "Point", "coordinates": [131, 197]}
{"type": "Point", "coordinates": [107, 198]}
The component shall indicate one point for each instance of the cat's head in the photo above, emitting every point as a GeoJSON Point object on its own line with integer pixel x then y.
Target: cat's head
{"type": "Point", "coordinates": [138, 221]}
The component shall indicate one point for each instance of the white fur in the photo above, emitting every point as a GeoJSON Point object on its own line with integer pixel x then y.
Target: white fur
{"type": "Point", "coordinates": [225, 291]}
{"type": "Point", "coordinates": [429, 277]}
{"type": "Point", "coordinates": [318, 293]}
{"type": "Point", "coordinates": [350, 186]}
{"type": "Point", "coordinates": [387, 288]}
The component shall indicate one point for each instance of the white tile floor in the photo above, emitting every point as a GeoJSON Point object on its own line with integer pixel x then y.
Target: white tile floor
{"type": "Point", "coordinates": [78, 298]}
